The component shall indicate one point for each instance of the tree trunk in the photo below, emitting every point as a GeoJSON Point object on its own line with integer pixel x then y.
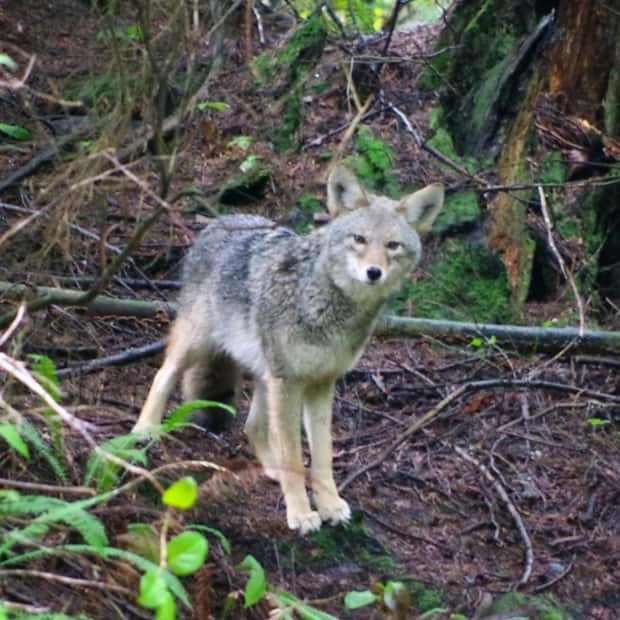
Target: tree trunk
{"type": "Point", "coordinates": [534, 77]}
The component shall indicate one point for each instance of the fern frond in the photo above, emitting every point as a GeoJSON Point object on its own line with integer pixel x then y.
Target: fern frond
{"type": "Point", "coordinates": [106, 473]}
{"type": "Point", "coordinates": [144, 565]}
{"type": "Point", "coordinates": [32, 436]}
{"type": "Point", "coordinates": [50, 510]}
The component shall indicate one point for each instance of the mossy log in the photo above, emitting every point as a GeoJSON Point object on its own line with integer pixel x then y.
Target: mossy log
{"type": "Point", "coordinates": [519, 337]}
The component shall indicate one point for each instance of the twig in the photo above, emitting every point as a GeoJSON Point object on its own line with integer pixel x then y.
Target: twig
{"type": "Point", "coordinates": [429, 149]}
{"type": "Point", "coordinates": [119, 359]}
{"type": "Point", "coordinates": [319, 141]}
{"type": "Point", "coordinates": [21, 311]}
{"type": "Point", "coordinates": [594, 359]}
{"type": "Point", "coordinates": [70, 581]}
{"type": "Point", "coordinates": [47, 488]}
{"type": "Point", "coordinates": [460, 391]}
{"type": "Point", "coordinates": [529, 553]}
{"type": "Point", "coordinates": [413, 428]}
{"type": "Point", "coordinates": [558, 256]}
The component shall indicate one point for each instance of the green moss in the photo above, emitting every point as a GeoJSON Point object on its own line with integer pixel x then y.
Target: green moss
{"type": "Point", "coordinates": [473, 23]}
{"type": "Point", "coordinates": [373, 163]}
{"type": "Point", "coordinates": [443, 142]}
{"type": "Point", "coordinates": [436, 117]}
{"type": "Point", "coordinates": [324, 156]}
{"type": "Point", "coordinates": [551, 168]}
{"type": "Point", "coordinates": [460, 211]}
{"type": "Point", "coordinates": [546, 608]}
{"type": "Point", "coordinates": [468, 282]}
{"type": "Point", "coordinates": [353, 543]}
{"type": "Point", "coordinates": [302, 217]}
{"type": "Point", "coordinates": [247, 188]}
{"type": "Point", "coordinates": [293, 114]}
{"type": "Point", "coordinates": [299, 55]}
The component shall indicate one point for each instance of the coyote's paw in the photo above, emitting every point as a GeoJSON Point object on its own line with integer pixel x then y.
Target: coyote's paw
{"type": "Point", "coordinates": [303, 521]}
{"type": "Point", "coordinates": [332, 508]}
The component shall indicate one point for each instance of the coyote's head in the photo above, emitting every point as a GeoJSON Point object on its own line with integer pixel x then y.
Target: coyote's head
{"type": "Point", "coordinates": [374, 241]}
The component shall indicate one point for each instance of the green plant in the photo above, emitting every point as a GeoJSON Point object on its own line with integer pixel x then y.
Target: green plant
{"type": "Point", "coordinates": [16, 132]}
{"type": "Point", "coordinates": [374, 162]}
{"type": "Point", "coordinates": [391, 598]}
{"type": "Point", "coordinates": [288, 606]}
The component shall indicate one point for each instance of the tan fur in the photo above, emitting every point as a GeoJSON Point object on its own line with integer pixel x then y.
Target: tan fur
{"type": "Point", "coordinates": [296, 312]}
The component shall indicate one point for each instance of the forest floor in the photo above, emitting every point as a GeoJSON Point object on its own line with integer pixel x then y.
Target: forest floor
{"type": "Point", "coordinates": [518, 475]}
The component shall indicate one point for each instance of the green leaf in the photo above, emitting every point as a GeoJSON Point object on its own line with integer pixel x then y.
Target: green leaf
{"type": "Point", "coordinates": [476, 343]}
{"type": "Point", "coordinates": [3, 614]}
{"type": "Point", "coordinates": [211, 530]}
{"type": "Point", "coordinates": [182, 494]}
{"type": "Point", "coordinates": [440, 610]}
{"type": "Point", "coordinates": [178, 417]}
{"type": "Point", "coordinates": [248, 163]}
{"type": "Point", "coordinates": [45, 371]}
{"type": "Point", "coordinates": [16, 132]}
{"type": "Point", "coordinates": [243, 142]}
{"type": "Point", "coordinates": [218, 106]}
{"type": "Point", "coordinates": [597, 422]}
{"type": "Point", "coordinates": [167, 610]}
{"type": "Point", "coordinates": [134, 32]}
{"type": "Point", "coordinates": [307, 612]}
{"type": "Point", "coordinates": [355, 600]}
{"type": "Point", "coordinates": [153, 590]}
{"type": "Point", "coordinates": [187, 553]}
{"type": "Point", "coordinates": [256, 586]}
{"type": "Point", "coordinates": [9, 63]}
{"type": "Point", "coordinates": [9, 433]}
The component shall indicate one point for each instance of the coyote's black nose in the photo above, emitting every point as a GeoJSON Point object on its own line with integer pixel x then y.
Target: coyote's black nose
{"type": "Point", "coordinates": [373, 273]}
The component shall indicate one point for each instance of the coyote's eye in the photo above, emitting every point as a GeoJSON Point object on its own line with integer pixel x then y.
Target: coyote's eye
{"type": "Point", "coordinates": [392, 245]}
{"type": "Point", "coordinates": [359, 239]}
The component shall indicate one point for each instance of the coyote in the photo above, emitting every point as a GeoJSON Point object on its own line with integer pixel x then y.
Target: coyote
{"type": "Point", "coordinates": [295, 311]}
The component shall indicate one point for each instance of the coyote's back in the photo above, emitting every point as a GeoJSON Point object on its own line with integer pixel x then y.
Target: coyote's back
{"type": "Point", "coordinates": [296, 312]}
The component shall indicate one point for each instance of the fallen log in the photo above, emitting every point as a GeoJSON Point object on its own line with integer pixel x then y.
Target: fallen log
{"type": "Point", "coordinates": [517, 336]}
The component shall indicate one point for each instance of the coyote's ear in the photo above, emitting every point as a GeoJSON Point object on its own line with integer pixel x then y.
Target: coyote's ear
{"type": "Point", "coordinates": [421, 208]}
{"type": "Point", "coordinates": [344, 192]}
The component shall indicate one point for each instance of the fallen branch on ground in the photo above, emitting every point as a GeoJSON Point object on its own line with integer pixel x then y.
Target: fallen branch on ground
{"type": "Point", "coordinates": [517, 336]}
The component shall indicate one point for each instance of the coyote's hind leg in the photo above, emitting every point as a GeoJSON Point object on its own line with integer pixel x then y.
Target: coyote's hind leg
{"type": "Point", "coordinates": [178, 357]}
{"type": "Point", "coordinates": [215, 377]}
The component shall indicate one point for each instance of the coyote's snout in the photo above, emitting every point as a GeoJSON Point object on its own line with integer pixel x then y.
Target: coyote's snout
{"type": "Point", "coordinates": [296, 312]}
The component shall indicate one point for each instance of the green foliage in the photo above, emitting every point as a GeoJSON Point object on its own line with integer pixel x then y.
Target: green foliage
{"type": "Point", "coordinates": [460, 211]}
{"type": "Point", "coordinates": [217, 106]}
{"type": "Point", "coordinates": [243, 142]}
{"type": "Point", "coordinates": [247, 188]}
{"type": "Point", "coordinates": [299, 55]}
{"type": "Point", "coordinates": [9, 433]}
{"type": "Point", "coordinates": [545, 606]}
{"type": "Point", "coordinates": [16, 132]}
{"type": "Point", "coordinates": [256, 585]}
{"type": "Point", "coordinates": [8, 62]}
{"type": "Point", "coordinates": [292, 116]}
{"type": "Point", "coordinates": [373, 163]}
{"type": "Point", "coordinates": [182, 494]}
{"type": "Point", "coordinates": [105, 472]}
{"type": "Point", "coordinates": [187, 553]}
{"type": "Point", "coordinates": [49, 511]}
{"type": "Point", "coordinates": [353, 542]}
{"type": "Point", "coordinates": [32, 436]}
{"type": "Point", "coordinates": [178, 417]}
{"type": "Point", "coordinates": [468, 283]}
{"type": "Point", "coordinates": [551, 168]}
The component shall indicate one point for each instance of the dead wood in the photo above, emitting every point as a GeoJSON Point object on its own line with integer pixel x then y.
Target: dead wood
{"type": "Point", "coordinates": [517, 336]}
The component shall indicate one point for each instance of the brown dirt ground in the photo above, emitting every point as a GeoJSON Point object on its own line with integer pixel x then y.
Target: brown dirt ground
{"type": "Point", "coordinates": [424, 512]}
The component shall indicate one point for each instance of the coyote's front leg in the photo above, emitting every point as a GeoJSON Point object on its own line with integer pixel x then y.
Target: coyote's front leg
{"type": "Point", "coordinates": [318, 401]}
{"type": "Point", "coordinates": [284, 406]}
